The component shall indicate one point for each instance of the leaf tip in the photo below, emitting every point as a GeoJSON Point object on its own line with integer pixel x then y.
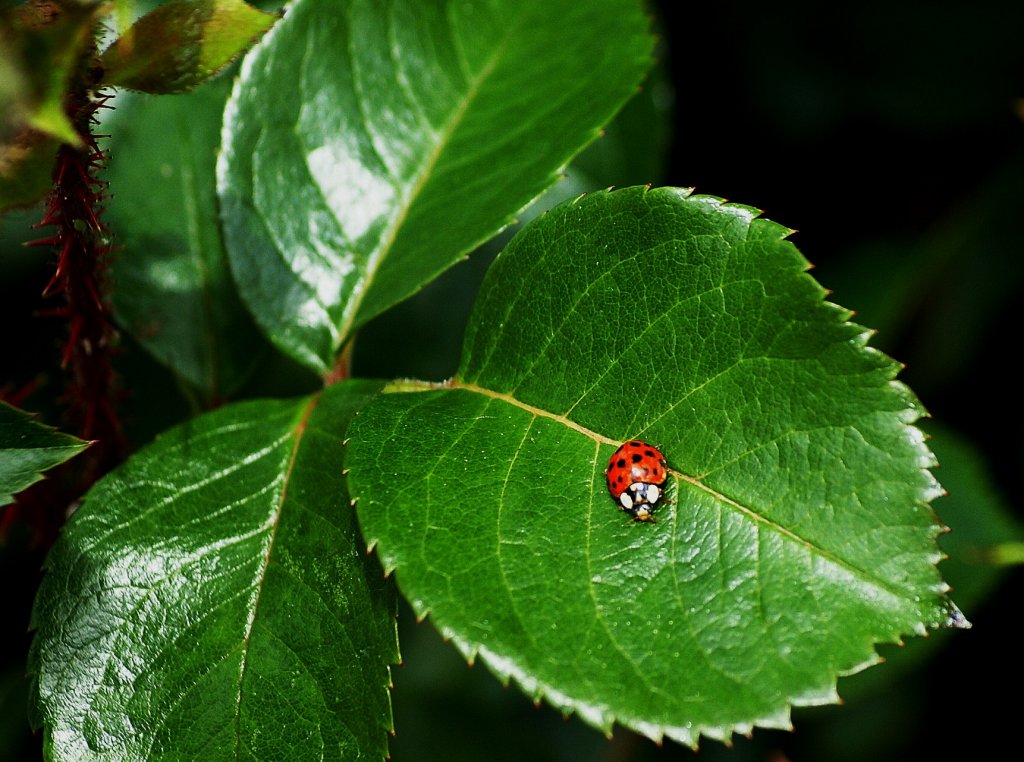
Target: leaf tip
{"type": "Point", "coordinates": [955, 619]}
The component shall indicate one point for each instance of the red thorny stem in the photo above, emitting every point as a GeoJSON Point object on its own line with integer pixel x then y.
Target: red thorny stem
{"type": "Point", "coordinates": [81, 243]}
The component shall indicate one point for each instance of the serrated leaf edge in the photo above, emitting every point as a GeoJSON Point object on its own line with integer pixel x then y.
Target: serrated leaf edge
{"type": "Point", "coordinates": [506, 669]}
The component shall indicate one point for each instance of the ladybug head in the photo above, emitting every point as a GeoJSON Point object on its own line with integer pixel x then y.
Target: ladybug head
{"type": "Point", "coordinates": [639, 499]}
{"type": "Point", "coordinates": [643, 513]}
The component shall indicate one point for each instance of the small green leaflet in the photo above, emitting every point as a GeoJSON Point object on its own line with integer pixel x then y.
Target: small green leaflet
{"type": "Point", "coordinates": [798, 533]}
{"type": "Point", "coordinates": [27, 449]}
{"type": "Point", "coordinates": [183, 43]}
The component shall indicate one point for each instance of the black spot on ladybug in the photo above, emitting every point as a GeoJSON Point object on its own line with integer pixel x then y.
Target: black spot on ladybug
{"type": "Point", "coordinates": [633, 467]}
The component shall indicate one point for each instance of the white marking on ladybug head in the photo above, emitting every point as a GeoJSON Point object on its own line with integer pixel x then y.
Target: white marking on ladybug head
{"type": "Point", "coordinates": [627, 500]}
{"type": "Point", "coordinates": [653, 493]}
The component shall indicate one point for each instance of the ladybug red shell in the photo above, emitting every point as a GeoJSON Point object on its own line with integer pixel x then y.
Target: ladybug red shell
{"type": "Point", "coordinates": [636, 474]}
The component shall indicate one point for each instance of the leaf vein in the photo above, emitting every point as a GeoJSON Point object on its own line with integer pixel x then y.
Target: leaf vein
{"type": "Point", "coordinates": [746, 511]}
{"type": "Point", "coordinates": [179, 491]}
{"type": "Point", "coordinates": [422, 175]}
{"type": "Point", "coordinates": [527, 631]}
{"type": "Point", "coordinates": [598, 611]}
{"type": "Point", "coordinates": [297, 431]}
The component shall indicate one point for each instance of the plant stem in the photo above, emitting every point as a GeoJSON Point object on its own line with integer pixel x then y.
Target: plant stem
{"type": "Point", "coordinates": [81, 242]}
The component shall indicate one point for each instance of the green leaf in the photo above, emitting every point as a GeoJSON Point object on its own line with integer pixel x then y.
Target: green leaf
{"type": "Point", "coordinates": [212, 599]}
{"type": "Point", "coordinates": [980, 524]}
{"type": "Point", "coordinates": [43, 50]}
{"type": "Point", "coordinates": [172, 288]}
{"type": "Point", "coordinates": [979, 517]}
{"type": "Point", "coordinates": [384, 158]}
{"type": "Point", "coordinates": [27, 449]}
{"type": "Point", "coordinates": [26, 168]}
{"type": "Point", "coordinates": [39, 55]}
{"type": "Point", "coordinates": [183, 43]}
{"type": "Point", "coordinates": [796, 533]}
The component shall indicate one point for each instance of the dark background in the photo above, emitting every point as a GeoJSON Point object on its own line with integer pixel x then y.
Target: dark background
{"type": "Point", "coordinates": [891, 135]}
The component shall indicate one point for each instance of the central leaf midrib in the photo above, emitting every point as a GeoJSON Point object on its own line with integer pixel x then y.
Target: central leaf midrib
{"type": "Point", "coordinates": [299, 433]}
{"type": "Point", "coordinates": [746, 511]}
{"type": "Point", "coordinates": [378, 256]}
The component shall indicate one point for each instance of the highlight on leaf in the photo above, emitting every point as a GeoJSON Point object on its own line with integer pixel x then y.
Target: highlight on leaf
{"type": "Point", "coordinates": [410, 112]}
{"type": "Point", "coordinates": [221, 572]}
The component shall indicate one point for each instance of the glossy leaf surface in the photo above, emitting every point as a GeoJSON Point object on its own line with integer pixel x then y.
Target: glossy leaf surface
{"type": "Point", "coordinates": [384, 158]}
{"type": "Point", "coordinates": [796, 532]}
{"type": "Point", "coordinates": [28, 448]}
{"type": "Point", "coordinates": [172, 289]}
{"type": "Point", "coordinates": [212, 599]}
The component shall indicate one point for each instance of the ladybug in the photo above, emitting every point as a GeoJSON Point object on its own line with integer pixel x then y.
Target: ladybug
{"type": "Point", "coordinates": [637, 473]}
